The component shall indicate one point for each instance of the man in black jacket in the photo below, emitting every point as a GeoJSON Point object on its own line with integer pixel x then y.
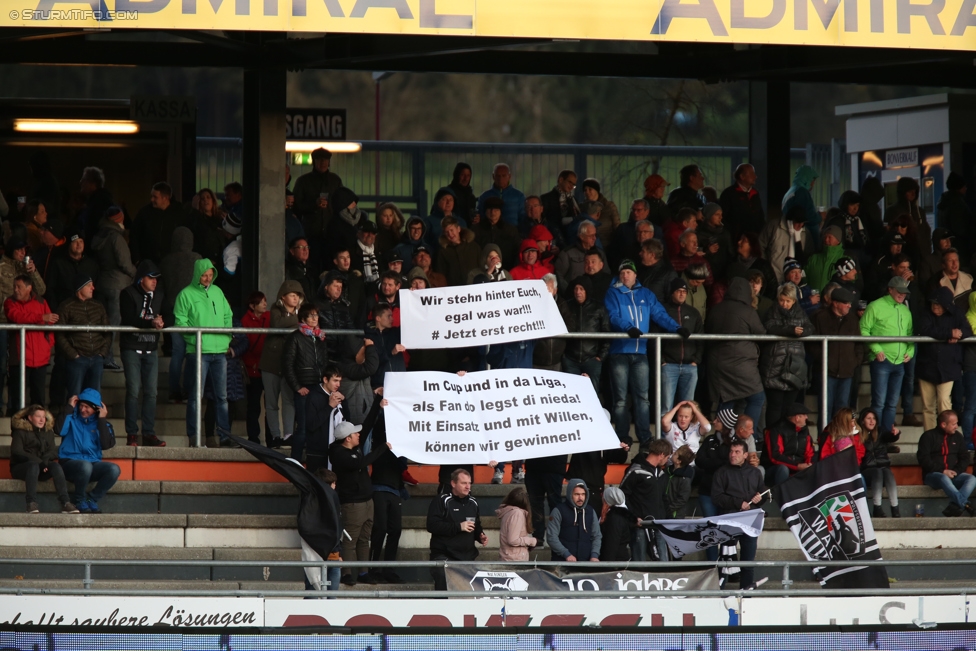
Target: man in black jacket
{"type": "Point", "coordinates": [944, 459]}
{"type": "Point", "coordinates": [654, 271]}
{"type": "Point", "coordinates": [141, 307]}
{"type": "Point", "coordinates": [388, 494]}
{"type": "Point", "coordinates": [583, 314]}
{"type": "Point", "coordinates": [454, 524]}
{"type": "Point", "coordinates": [679, 372]}
{"type": "Point", "coordinates": [645, 484]}
{"type": "Point", "coordinates": [298, 267]}
{"type": "Point", "coordinates": [688, 194]}
{"type": "Point", "coordinates": [335, 312]}
{"type": "Point", "coordinates": [741, 204]}
{"type": "Point", "coordinates": [355, 492]}
{"type": "Point", "coordinates": [559, 207]}
{"type": "Point", "coordinates": [789, 447]}
{"type": "Point", "coordinates": [738, 486]}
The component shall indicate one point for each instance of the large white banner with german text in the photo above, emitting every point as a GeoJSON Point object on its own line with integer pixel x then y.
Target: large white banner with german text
{"type": "Point", "coordinates": [476, 315]}
{"type": "Point", "coordinates": [493, 415]}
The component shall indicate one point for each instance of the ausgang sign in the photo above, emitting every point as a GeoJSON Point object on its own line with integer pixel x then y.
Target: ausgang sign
{"type": "Point", "coordinates": [315, 124]}
{"type": "Point", "coordinates": [931, 24]}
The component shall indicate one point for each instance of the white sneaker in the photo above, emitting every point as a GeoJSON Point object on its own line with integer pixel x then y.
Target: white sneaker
{"type": "Point", "coordinates": [498, 476]}
{"type": "Point", "coordinates": [518, 477]}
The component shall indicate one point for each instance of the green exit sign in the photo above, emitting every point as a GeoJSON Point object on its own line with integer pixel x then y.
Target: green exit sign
{"type": "Point", "coordinates": [301, 158]}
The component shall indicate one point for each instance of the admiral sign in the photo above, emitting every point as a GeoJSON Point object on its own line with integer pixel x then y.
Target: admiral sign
{"type": "Point", "coordinates": [929, 24]}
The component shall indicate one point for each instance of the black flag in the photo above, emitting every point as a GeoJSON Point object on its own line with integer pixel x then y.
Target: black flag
{"type": "Point", "coordinates": [826, 509]}
{"type": "Point", "coordinates": [318, 514]}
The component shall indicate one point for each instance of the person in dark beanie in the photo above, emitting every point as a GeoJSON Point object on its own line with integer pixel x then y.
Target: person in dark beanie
{"type": "Point", "coordinates": [632, 308]}
{"type": "Point", "coordinates": [84, 352]}
{"type": "Point", "coordinates": [846, 275]}
{"type": "Point", "coordinates": [680, 359]}
{"type": "Point", "coordinates": [141, 306]}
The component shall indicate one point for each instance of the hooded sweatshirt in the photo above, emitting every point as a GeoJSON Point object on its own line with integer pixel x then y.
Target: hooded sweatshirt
{"type": "Point", "coordinates": [798, 196]}
{"type": "Point", "coordinates": [199, 306]}
{"type": "Point", "coordinates": [526, 271]}
{"type": "Point", "coordinates": [80, 438]}
{"type": "Point", "coordinates": [494, 275]}
{"type": "Point", "coordinates": [574, 530]}
{"type": "Point", "coordinates": [274, 345]}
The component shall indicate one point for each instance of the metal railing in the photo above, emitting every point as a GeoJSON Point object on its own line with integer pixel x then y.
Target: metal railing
{"type": "Point", "coordinates": [784, 567]}
{"type": "Point", "coordinates": [657, 338]}
{"type": "Point", "coordinates": [410, 173]}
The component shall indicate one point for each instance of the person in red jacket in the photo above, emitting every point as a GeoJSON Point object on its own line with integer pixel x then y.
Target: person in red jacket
{"type": "Point", "coordinates": [257, 316]}
{"type": "Point", "coordinates": [789, 448]}
{"type": "Point", "coordinates": [529, 267]}
{"type": "Point", "coordinates": [26, 307]}
{"type": "Point", "coordinates": [840, 434]}
{"type": "Point", "coordinates": [547, 248]}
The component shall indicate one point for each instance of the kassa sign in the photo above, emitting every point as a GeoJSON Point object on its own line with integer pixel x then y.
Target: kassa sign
{"type": "Point", "coordinates": [930, 24]}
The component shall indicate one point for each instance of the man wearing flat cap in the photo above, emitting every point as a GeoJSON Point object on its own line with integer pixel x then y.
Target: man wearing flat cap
{"type": "Point", "coordinates": [888, 317]}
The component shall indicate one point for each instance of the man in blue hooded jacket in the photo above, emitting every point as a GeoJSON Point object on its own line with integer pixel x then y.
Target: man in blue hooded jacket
{"type": "Point", "coordinates": [632, 307]}
{"type": "Point", "coordinates": [81, 427]}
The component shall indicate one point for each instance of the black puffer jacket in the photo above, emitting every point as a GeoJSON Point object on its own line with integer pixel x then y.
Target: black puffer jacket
{"type": "Point", "coordinates": [876, 451]}
{"type": "Point", "coordinates": [29, 444]}
{"type": "Point", "coordinates": [304, 361]}
{"type": "Point", "coordinates": [783, 364]}
{"type": "Point", "coordinates": [683, 351]}
{"type": "Point", "coordinates": [734, 365]}
{"type": "Point", "coordinates": [588, 317]}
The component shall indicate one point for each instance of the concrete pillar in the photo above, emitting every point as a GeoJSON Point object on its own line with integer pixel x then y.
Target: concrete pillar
{"type": "Point", "coordinates": [263, 177]}
{"type": "Point", "coordinates": [769, 141]}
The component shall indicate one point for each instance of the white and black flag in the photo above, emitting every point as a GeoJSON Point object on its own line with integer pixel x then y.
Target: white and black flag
{"type": "Point", "coordinates": [690, 536]}
{"type": "Point", "coordinates": [825, 507]}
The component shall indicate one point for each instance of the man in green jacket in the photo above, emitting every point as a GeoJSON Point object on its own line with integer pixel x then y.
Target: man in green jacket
{"type": "Point", "coordinates": [202, 304]}
{"type": "Point", "coordinates": [888, 317]}
{"type": "Point", "coordinates": [820, 266]}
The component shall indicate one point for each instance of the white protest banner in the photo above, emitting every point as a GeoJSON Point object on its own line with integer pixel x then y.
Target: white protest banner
{"type": "Point", "coordinates": [493, 415]}
{"type": "Point", "coordinates": [477, 315]}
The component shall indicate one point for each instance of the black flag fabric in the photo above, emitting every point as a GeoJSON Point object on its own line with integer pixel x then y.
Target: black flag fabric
{"type": "Point", "coordinates": [825, 507]}
{"type": "Point", "coordinates": [318, 512]}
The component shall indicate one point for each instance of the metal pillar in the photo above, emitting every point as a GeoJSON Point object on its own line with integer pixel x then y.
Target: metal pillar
{"type": "Point", "coordinates": [263, 245]}
{"type": "Point", "coordinates": [769, 141]}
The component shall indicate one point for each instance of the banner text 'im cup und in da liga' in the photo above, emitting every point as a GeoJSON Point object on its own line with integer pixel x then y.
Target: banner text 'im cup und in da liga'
{"type": "Point", "coordinates": [493, 415]}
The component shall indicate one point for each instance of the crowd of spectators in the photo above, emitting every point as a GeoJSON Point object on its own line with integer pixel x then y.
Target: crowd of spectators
{"type": "Point", "coordinates": [689, 261]}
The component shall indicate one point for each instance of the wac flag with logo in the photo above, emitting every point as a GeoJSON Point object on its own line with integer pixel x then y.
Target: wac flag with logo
{"type": "Point", "coordinates": [825, 507]}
